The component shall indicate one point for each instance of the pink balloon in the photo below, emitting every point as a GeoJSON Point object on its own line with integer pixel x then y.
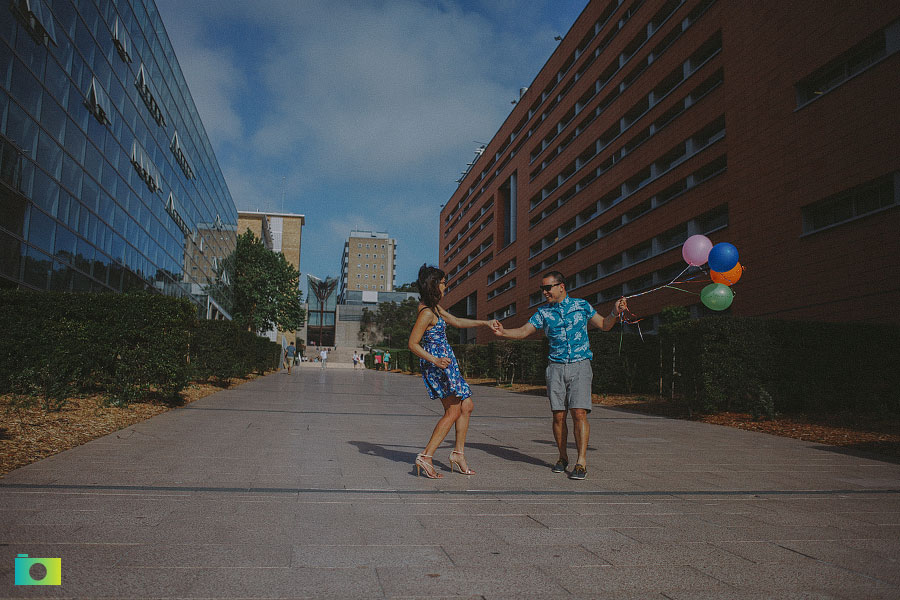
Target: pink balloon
{"type": "Point", "coordinates": [696, 250]}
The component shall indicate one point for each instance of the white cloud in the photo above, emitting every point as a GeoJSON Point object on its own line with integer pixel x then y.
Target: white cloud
{"type": "Point", "coordinates": [369, 110]}
{"type": "Point", "coordinates": [214, 80]}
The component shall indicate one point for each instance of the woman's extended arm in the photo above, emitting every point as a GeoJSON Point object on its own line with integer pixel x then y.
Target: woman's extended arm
{"type": "Point", "coordinates": [461, 323]}
{"type": "Point", "coordinates": [425, 318]}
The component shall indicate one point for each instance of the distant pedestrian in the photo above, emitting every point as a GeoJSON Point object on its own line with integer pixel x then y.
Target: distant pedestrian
{"type": "Point", "coordinates": [289, 354]}
{"type": "Point", "coordinates": [440, 371]}
{"type": "Point", "coordinates": [323, 357]}
{"type": "Point", "coordinates": [355, 359]}
{"type": "Point", "coordinates": [387, 360]}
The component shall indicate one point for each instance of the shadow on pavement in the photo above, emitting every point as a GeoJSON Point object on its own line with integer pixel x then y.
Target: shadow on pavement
{"type": "Point", "coordinates": [401, 456]}
{"type": "Point", "coordinates": [883, 451]}
{"type": "Point", "coordinates": [508, 453]}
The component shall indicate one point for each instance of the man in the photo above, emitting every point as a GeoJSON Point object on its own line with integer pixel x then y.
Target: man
{"type": "Point", "coordinates": [564, 321]}
{"type": "Point", "coordinates": [323, 356]}
{"type": "Point", "coordinates": [289, 354]}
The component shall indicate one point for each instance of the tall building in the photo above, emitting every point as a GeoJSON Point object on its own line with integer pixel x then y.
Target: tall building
{"type": "Point", "coordinates": [280, 232]}
{"type": "Point", "coordinates": [769, 125]}
{"type": "Point", "coordinates": [108, 181]}
{"type": "Point", "coordinates": [368, 263]}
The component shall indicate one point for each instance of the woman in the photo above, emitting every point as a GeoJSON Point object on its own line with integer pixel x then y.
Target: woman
{"type": "Point", "coordinates": [440, 371]}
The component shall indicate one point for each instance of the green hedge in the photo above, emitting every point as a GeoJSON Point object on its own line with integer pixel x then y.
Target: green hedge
{"type": "Point", "coordinates": [737, 364]}
{"type": "Point", "coordinates": [724, 363]}
{"type": "Point", "coordinates": [222, 350]}
{"type": "Point", "coordinates": [122, 345]}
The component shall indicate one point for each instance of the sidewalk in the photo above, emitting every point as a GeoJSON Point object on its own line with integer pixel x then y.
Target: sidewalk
{"type": "Point", "coordinates": [303, 486]}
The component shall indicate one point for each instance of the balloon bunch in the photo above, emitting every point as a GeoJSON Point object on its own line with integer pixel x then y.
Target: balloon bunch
{"type": "Point", "coordinates": [724, 269]}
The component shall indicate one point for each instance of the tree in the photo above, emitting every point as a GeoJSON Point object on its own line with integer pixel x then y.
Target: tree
{"type": "Point", "coordinates": [391, 323]}
{"type": "Point", "coordinates": [407, 287]}
{"type": "Point", "coordinates": [266, 287]}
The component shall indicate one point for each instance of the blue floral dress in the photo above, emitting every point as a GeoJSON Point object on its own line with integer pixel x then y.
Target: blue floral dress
{"type": "Point", "coordinates": [442, 383]}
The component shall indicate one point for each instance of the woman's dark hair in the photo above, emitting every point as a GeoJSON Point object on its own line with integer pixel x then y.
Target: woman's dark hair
{"type": "Point", "coordinates": [429, 285]}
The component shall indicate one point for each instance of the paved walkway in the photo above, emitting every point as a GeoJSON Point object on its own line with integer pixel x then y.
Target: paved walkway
{"type": "Point", "coordinates": [302, 486]}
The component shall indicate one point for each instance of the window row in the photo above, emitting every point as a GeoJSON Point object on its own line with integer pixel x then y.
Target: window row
{"type": "Point", "coordinates": [485, 207]}
{"type": "Point", "coordinates": [502, 313]}
{"type": "Point", "coordinates": [697, 60]}
{"type": "Point", "coordinates": [599, 25]}
{"type": "Point", "coordinates": [502, 271]}
{"type": "Point", "coordinates": [681, 152]}
{"type": "Point", "coordinates": [472, 236]}
{"type": "Point", "coordinates": [705, 224]}
{"type": "Point", "coordinates": [628, 147]}
{"type": "Point", "coordinates": [475, 253]}
{"type": "Point", "coordinates": [852, 204]}
{"type": "Point", "coordinates": [617, 64]}
{"type": "Point", "coordinates": [654, 24]}
{"type": "Point", "coordinates": [483, 261]}
{"type": "Point", "coordinates": [510, 284]}
{"type": "Point", "coordinates": [867, 53]}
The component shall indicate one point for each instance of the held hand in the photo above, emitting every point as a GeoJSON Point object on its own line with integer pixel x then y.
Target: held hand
{"type": "Point", "coordinates": [621, 306]}
{"type": "Point", "coordinates": [498, 329]}
{"type": "Point", "coordinates": [494, 324]}
{"type": "Point", "coordinates": [442, 363]}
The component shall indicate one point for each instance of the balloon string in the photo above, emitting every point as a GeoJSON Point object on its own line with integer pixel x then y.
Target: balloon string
{"type": "Point", "coordinates": [665, 285]}
{"type": "Point", "coordinates": [672, 287]}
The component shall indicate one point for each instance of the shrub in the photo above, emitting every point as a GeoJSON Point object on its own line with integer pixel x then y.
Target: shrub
{"type": "Point", "coordinates": [123, 345]}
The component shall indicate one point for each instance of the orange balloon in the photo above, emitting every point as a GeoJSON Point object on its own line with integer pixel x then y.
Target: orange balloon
{"type": "Point", "coordinates": [729, 277]}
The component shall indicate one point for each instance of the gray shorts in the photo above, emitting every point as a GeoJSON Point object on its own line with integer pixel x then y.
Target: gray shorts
{"type": "Point", "coordinates": [569, 385]}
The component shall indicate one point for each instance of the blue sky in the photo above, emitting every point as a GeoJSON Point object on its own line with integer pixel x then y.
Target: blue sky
{"type": "Point", "coordinates": [363, 113]}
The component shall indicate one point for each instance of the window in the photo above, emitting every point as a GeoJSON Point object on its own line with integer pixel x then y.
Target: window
{"type": "Point", "coordinates": [180, 158]}
{"type": "Point", "coordinates": [508, 203]}
{"type": "Point", "coordinates": [98, 102]}
{"type": "Point", "coordinates": [120, 39]}
{"type": "Point", "coordinates": [37, 19]}
{"type": "Point", "coordinates": [860, 57]}
{"type": "Point", "coordinates": [142, 83]}
{"type": "Point", "coordinates": [172, 210]}
{"type": "Point", "coordinates": [852, 204]}
{"type": "Point", "coordinates": [146, 169]}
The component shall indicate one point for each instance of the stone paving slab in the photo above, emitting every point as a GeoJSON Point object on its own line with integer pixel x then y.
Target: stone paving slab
{"type": "Point", "coordinates": [303, 486]}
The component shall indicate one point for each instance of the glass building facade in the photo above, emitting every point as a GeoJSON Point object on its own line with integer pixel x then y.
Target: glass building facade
{"type": "Point", "coordinates": [108, 181]}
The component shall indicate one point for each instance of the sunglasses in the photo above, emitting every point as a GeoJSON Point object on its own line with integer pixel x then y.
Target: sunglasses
{"type": "Point", "coordinates": [547, 288]}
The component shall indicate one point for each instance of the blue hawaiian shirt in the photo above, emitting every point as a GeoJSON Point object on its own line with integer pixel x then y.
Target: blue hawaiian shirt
{"type": "Point", "coordinates": [565, 325]}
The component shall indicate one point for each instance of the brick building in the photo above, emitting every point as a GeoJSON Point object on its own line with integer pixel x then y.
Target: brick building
{"type": "Point", "coordinates": [773, 126]}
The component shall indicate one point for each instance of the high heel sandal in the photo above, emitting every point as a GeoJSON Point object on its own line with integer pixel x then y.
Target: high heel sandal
{"type": "Point", "coordinates": [421, 465]}
{"type": "Point", "coordinates": [468, 471]}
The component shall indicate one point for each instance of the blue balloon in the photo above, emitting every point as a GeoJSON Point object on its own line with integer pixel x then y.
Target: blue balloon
{"type": "Point", "coordinates": [723, 257]}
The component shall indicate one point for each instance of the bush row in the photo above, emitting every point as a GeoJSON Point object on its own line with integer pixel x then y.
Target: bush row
{"type": "Point", "coordinates": [721, 364]}
{"type": "Point", "coordinates": [762, 366]}
{"type": "Point", "coordinates": [122, 345]}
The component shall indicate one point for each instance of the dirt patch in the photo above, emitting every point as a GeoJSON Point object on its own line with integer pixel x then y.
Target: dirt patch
{"type": "Point", "coordinates": [877, 435]}
{"type": "Point", "coordinates": [30, 434]}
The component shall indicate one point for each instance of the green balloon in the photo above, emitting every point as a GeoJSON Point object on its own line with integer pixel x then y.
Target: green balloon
{"type": "Point", "coordinates": [716, 296]}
